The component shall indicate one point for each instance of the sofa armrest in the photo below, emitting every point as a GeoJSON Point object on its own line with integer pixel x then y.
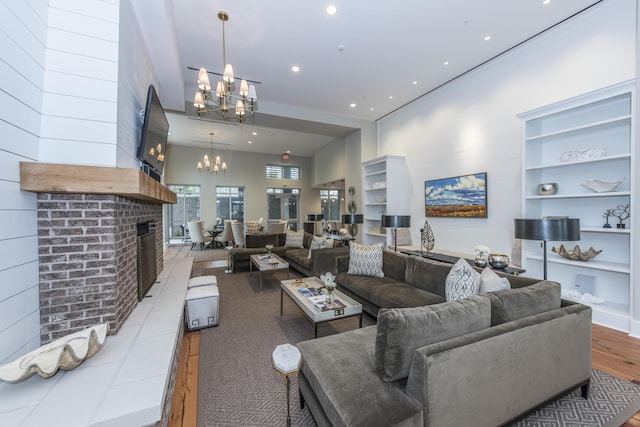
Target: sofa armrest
{"type": "Point", "coordinates": [323, 260]}
{"type": "Point", "coordinates": [504, 371]}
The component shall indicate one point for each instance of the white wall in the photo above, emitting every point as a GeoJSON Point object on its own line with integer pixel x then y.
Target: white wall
{"type": "Point", "coordinates": [244, 170]}
{"type": "Point", "coordinates": [470, 125]}
{"type": "Point", "coordinates": [23, 36]}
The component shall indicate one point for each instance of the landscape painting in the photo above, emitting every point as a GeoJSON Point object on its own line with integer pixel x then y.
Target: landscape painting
{"type": "Point", "coordinates": [457, 197]}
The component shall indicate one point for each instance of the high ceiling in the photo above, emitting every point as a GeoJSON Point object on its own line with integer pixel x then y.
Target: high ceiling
{"type": "Point", "coordinates": [375, 55]}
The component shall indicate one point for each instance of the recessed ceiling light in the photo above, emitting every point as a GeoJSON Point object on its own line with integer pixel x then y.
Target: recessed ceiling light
{"type": "Point", "coordinates": [487, 38]}
{"type": "Point", "coordinates": [371, 108]}
{"type": "Point", "coordinates": [415, 82]}
{"type": "Point", "coordinates": [546, 1]}
{"type": "Point", "coordinates": [295, 68]}
{"type": "Point", "coordinates": [352, 105]}
{"type": "Point", "coordinates": [288, 151]}
{"type": "Point", "coordinates": [390, 97]}
{"type": "Point", "coordinates": [331, 10]}
{"type": "Point", "coordinates": [254, 133]}
{"type": "Point", "coordinates": [249, 142]}
{"type": "Point", "coordinates": [446, 62]}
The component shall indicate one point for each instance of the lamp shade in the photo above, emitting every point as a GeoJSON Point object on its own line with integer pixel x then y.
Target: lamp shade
{"type": "Point", "coordinates": [396, 221]}
{"type": "Point", "coordinates": [352, 219]}
{"type": "Point", "coordinates": [315, 217]}
{"type": "Point", "coordinates": [556, 229]}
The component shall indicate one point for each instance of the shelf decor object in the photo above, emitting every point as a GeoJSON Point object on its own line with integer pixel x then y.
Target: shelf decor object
{"type": "Point", "coordinates": [547, 189]}
{"type": "Point", "coordinates": [396, 221]}
{"type": "Point", "coordinates": [586, 154]}
{"type": "Point", "coordinates": [427, 238]}
{"type": "Point", "coordinates": [576, 254]}
{"type": "Point", "coordinates": [601, 185]}
{"type": "Point", "coordinates": [64, 353]}
{"type": "Point", "coordinates": [556, 229]}
{"type": "Point", "coordinates": [498, 261]}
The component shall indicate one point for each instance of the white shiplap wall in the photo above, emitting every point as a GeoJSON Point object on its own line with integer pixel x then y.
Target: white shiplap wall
{"type": "Point", "coordinates": [23, 36]}
{"type": "Point", "coordinates": [79, 107]}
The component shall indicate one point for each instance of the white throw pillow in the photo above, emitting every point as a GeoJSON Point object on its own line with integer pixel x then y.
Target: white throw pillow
{"type": "Point", "coordinates": [365, 260]}
{"type": "Point", "coordinates": [295, 239]}
{"type": "Point", "coordinates": [491, 282]}
{"type": "Point", "coordinates": [462, 281]}
{"type": "Point", "coordinates": [319, 243]}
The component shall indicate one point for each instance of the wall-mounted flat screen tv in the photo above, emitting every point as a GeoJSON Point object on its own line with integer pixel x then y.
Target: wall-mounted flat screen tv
{"type": "Point", "coordinates": [154, 134]}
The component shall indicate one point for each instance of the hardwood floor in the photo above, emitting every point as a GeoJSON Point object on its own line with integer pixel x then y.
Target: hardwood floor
{"type": "Point", "coordinates": [613, 352]}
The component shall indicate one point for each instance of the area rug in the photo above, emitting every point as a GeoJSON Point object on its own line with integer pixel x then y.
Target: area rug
{"type": "Point", "coordinates": [237, 385]}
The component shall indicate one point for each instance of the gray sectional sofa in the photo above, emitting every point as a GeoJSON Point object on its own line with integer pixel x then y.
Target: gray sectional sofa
{"type": "Point", "coordinates": [483, 361]}
{"type": "Point", "coordinates": [320, 261]}
{"type": "Point", "coordinates": [409, 281]}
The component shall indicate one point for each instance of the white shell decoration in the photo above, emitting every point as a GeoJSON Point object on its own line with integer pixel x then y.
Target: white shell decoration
{"type": "Point", "coordinates": [587, 153]}
{"type": "Point", "coordinates": [601, 185]}
{"type": "Point", "coordinates": [64, 353]}
{"type": "Point", "coordinates": [576, 254]}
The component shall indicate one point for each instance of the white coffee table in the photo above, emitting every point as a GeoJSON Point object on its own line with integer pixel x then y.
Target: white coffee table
{"type": "Point", "coordinates": [348, 307]}
{"type": "Point", "coordinates": [264, 263]}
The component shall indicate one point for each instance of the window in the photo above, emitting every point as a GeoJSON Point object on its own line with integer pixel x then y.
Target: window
{"type": "Point", "coordinates": [284, 204]}
{"type": "Point", "coordinates": [330, 204]}
{"type": "Point", "coordinates": [283, 172]}
{"type": "Point", "coordinates": [230, 203]}
{"type": "Point", "coordinates": [187, 208]}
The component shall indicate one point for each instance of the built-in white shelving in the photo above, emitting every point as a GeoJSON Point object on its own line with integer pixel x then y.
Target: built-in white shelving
{"type": "Point", "coordinates": [383, 180]}
{"type": "Point", "coordinates": [603, 122]}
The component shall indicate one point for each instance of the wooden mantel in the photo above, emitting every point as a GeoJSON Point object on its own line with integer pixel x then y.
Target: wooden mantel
{"type": "Point", "coordinates": [60, 178]}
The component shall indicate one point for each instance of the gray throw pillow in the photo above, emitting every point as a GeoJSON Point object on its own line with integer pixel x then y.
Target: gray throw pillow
{"type": "Point", "coordinates": [462, 281]}
{"type": "Point", "coordinates": [513, 304]}
{"type": "Point", "coordinates": [365, 260]}
{"type": "Point", "coordinates": [401, 331]}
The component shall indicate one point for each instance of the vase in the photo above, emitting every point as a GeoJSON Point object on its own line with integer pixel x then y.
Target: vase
{"type": "Point", "coordinates": [480, 261]}
{"type": "Point", "coordinates": [329, 299]}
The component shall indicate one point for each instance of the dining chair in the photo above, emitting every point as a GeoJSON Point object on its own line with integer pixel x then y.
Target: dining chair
{"type": "Point", "coordinates": [227, 235]}
{"type": "Point", "coordinates": [238, 235]}
{"type": "Point", "coordinates": [197, 236]}
{"type": "Point", "coordinates": [277, 227]}
{"type": "Point", "coordinates": [253, 227]}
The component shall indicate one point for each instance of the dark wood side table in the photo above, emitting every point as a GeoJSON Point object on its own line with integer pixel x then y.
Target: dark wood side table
{"type": "Point", "coordinates": [452, 260]}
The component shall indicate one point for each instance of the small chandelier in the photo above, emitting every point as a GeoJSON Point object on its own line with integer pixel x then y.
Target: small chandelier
{"type": "Point", "coordinates": [210, 164]}
{"type": "Point", "coordinates": [221, 100]}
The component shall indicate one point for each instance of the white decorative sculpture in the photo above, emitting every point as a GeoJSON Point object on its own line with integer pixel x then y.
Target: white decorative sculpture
{"type": "Point", "coordinates": [64, 353]}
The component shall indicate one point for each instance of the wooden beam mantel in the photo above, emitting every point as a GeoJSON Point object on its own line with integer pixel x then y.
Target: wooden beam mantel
{"type": "Point", "coordinates": [60, 178]}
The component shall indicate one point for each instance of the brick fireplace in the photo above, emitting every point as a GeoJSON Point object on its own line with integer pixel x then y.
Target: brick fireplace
{"type": "Point", "coordinates": [88, 259]}
{"type": "Point", "coordinates": [87, 218]}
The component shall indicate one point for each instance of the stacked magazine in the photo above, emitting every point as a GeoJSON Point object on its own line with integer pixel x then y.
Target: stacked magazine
{"type": "Point", "coordinates": [318, 298]}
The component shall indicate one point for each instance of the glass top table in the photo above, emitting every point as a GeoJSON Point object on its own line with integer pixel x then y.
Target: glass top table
{"type": "Point", "coordinates": [304, 292]}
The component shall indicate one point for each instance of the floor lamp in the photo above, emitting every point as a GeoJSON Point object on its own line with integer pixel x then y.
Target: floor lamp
{"type": "Point", "coordinates": [315, 218]}
{"type": "Point", "coordinates": [353, 220]}
{"type": "Point", "coordinates": [555, 229]}
{"type": "Point", "coordinates": [396, 221]}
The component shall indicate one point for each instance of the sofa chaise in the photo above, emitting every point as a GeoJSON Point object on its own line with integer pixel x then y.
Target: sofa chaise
{"type": "Point", "coordinates": [484, 361]}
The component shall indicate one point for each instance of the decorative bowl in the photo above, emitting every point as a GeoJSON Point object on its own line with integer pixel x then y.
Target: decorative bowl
{"type": "Point", "coordinates": [547, 189]}
{"type": "Point", "coordinates": [601, 185]}
{"type": "Point", "coordinates": [498, 261]}
{"type": "Point", "coordinates": [576, 254]}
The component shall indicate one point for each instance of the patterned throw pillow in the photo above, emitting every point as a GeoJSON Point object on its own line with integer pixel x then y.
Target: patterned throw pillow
{"type": "Point", "coordinates": [365, 260]}
{"type": "Point", "coordinates": [462, 281]}
{"type": "Point", "coordinates": [491, 282]}
{"type": "Point", "coordinates": [295, 239]}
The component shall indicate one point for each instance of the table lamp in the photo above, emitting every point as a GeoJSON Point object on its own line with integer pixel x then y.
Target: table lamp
{"type": "Point", "coordinates": [555, 229]}
{"type": "Point", "coordinates": [353, 220]}
{"type": "Point", "coordinates": [396, 221]}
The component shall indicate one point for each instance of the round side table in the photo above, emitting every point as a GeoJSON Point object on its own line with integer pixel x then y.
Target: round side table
{"type": "Point", "coordinates": [286, 359]}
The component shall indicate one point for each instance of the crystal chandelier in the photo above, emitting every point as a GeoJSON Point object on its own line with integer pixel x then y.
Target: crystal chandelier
{"type": "Point", "coordinates": [221, 101]}
{"type": "Point", "coordinates": [210, 164]}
